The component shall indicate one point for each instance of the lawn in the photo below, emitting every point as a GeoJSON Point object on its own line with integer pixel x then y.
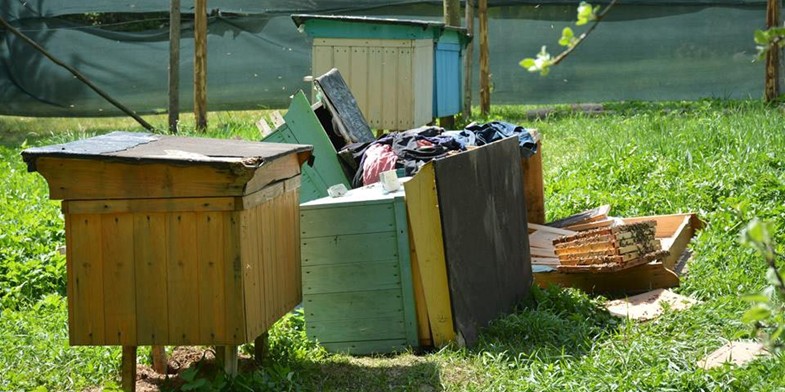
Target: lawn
{"type": "Point", "coordinates": [724, 160]}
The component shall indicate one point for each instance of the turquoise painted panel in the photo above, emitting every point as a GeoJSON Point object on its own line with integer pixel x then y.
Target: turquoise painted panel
{"type": "Point", "coordinates": [303, 127]}
{"type": "Point", "coordinates": [353, 305]}
{"type": "Point", "coordinates": [331, 278]}
{"type": "Point", "coordinates": [342, 249]}
{"type": "Point", "coordinates": [361, 219]}
{"type": "Point", "coordinates": [354, 27]}
{"type": "Point", "coordinates": [356, 330]}
{"type": "Point", "coordinates": [448, 79]}
{"type": "Point", "coordinates": [367, 347]}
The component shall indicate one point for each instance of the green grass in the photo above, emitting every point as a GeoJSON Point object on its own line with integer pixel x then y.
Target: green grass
{"type": "Point", "coordinates": [723, 160]}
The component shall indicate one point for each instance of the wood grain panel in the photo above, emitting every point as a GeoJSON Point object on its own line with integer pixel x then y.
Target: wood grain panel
{"type": "Point", "coordinates": [88, 291]}
{"type": "Point", "coordinates": [150, 262]}
{"type": "Point", "coordinates": [362, 219]}
{"type": "Point", "coordinates": [211, 268]}
{"type": "Point", "coordinates": [354, 305]}
{"type": "Point", "coordinates": [332, 278]}
{"type": "Point", "coordinates": [357, 329]}
{"type": "Point", "coordinates": [182, 271]}
{"type": "Point", "coordinates": [119, 291]}
{"type": "Point", "coordinates": [340, 249]}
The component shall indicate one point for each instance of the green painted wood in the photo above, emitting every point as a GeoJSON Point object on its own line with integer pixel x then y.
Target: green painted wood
{"type": "Point", "coordinates": [303, 127]}
{"type": "Point", "coordinates": [349, 27]}
{"type": "Point", "coordinates": [335, 278]}
{"type": "Point", "coordinates": [405, 266]}
{"type": "Point", "coordinates": [356, 330]}
{"type": "Point", "coordinates": [342, 249]}
{"type": "Point", "coordinates": [360, 219]}
{"type": "Point", "coordinates": [367, 347]}
{"type": "Point", "coordinates": [355, 305]}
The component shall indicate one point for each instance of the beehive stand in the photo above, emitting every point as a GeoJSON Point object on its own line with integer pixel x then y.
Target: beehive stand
{"type": "Point", "coordinates": [175, 241]}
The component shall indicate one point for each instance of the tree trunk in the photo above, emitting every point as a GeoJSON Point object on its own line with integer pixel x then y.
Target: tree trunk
{"type": "Point", "coordinates": [174, 66]}
{"type": "Point", "coordinates": [485, 72]}
{"type": "Point", "coordinates": [772, 84]}
{"type": "Point", "coordinates": [469, 61]}
{"type": "Point", "coordinates": [200, 65]}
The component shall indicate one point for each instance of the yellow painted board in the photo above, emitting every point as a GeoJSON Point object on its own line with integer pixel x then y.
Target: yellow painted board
{"type": "Point", "coordinates": [210, 267]}
{"type": "Point", "coordinates": [183, 285]}
{"type": "Point", "coordinates": [150, 258]}
{"type": "Point", "coordinates": [266, 218]}
{"type": "Point", "coordinates": [251, 263]}
{"type": "Point", "coordinates": [423, 327]}
{"type": "Point", "coordinates": [119, 292]}
{"type": "Point", "coordinates": [425, 223]}
{"type": "Point", "coordinates": [88, 291]}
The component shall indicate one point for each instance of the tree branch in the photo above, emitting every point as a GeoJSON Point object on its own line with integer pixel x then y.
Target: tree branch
{"type": "Point", "coordinates": [597, 20]}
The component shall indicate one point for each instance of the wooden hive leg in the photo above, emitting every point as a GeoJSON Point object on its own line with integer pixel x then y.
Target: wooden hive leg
{"type": "Point", "coordinates": [128, 369]}
{"type": "Point", "coordinates": [160, 363]}
{"type": "Point", "coordinates": [230, 360]}
{"type": "Point", "coordinates": [261, 345]}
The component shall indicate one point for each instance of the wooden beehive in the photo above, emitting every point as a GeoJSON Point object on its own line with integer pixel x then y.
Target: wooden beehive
{"type": "Point", "coordinates": [173, 240]}
{"type": "Point", "coordinates": [357, 281]}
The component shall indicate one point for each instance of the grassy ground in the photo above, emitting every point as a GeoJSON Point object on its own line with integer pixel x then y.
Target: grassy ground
{"type": "Point", "coordinates": [723, 160]}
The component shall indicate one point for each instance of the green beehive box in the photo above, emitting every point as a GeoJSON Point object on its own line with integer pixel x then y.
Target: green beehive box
{"type": "Point", "coordinates": [357, 282]}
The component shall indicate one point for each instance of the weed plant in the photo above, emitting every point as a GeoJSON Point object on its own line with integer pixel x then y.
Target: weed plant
{"type": "Point", "coordinates": [724, 160]}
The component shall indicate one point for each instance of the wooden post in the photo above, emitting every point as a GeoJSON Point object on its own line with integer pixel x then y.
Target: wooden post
{"type": "Point", "coordinates": [452, 17]}
{"type": "Point", "coordinates": [230, 360]}
{"type": "Point", "coordinates": [468, 61]}
{"type": "Point", "coordinates": [128, 369]}
{"type": "Point", "coordinates": [533, 190]}
{"type": "Point", "coordinates": [174, 65]}
{"type": "Point", "coordinates": [200, 64]}
{"type": "Point", "coordinates": [485, 72]}
{"type": "Point", "coordinates": [772, 84]}
{"type": "Point", "coordinates": [160, 363]}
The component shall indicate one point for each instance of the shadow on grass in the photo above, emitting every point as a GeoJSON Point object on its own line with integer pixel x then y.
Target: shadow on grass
{"type": "Point", "coordinates": [552, 323]}
{"type": "Point", "coordinates": [403, 373]}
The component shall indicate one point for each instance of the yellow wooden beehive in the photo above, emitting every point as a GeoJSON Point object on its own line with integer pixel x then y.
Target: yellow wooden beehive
{"type": "Point", "coordinates": [174, 241]}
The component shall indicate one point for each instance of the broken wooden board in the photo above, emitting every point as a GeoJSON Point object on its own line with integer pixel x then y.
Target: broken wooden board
{"type": "Point", "coordinates": [594, 214]}
{"type": "Point", "coordinates": [343, 106]}
{"type": "Point", "coordinates": [648, 306]}
{"type": "Point", "coordinates": [613, 264]}
{"type": "Point", "coordinates": [735, 353]}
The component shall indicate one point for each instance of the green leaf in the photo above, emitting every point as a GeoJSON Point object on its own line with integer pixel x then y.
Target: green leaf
{"type": "Point", "coordinates": [756, 298]}
{"type": "Point", "coordinates": [756, 313]}
{"type": "Point", "coordinates": [585, 13]}
{"type": "Point", "coordinates": [567, 37]}
{"type": "Point", "coordinates": [527, 63]}
{"type": "Point", "coordinates": [761, 37]}
{"type": "Point", "coordinates": [776, 335]}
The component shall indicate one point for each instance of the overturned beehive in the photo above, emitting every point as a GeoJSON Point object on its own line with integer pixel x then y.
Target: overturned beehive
{"type": "Point", "coordinates": [609, 249]}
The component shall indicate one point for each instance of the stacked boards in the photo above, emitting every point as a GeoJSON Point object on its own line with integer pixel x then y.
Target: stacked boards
{"type": "Point", "coordinates": [609, 249]}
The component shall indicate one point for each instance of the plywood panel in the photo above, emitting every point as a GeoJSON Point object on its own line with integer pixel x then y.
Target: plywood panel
{"type": "Point", "coordinates": [359, 76]}
{"type": "Point", "coordinates": [633, 280]}
{"type": "Point", "coordinates": [422, 83]}
{"type": "Point", "coordinates": [489, 267]}
{"type": "Point", "coordinates": [183, 285]}
{"type": "Point", "coordinates": [331, 278]}
{"type": "Point", "coordinates": [425, 222]}
{"type": "Point", "coordinates": [359, 219]}
{"type": "Point", "coordinates": [342, 60]}
{"type": "Point", "coordinates": [211, 270]}
{"type": "Point", "coordinates": [322, 59]}
{"type": "Point", "coordinates": [150, 260]}
{"type": "Point", "coordinates": [119, 293]}
{"type": "Point", "coordinates": [340, 249]}
{"type": "Point", "coordinates": [353, 305]}
{"type": "Point", "coordinates": [87, 327]}
{"type": "Point", "coordinates": [407, 291]}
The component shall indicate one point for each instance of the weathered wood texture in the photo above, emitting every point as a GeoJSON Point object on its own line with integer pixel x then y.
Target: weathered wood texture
{"type": "Point", "coordinates": [485, 69]}
{"type": "Point", "coordinates": [148, 266]}
{"type": "Point", "coordinates": [533, 186]}
{"type": "Point", "coordinates": [485, 233]}
{"type": "Point", "coordinates": [357, 278]}
{"type": "Point", "coordinates": [392, 80]}
{"type": "Point", "coordinates": [200, 64]}
{"type": "Point", "coordinates": [772, 79]}
{"type": "Point", "coordinates": [342, 104]}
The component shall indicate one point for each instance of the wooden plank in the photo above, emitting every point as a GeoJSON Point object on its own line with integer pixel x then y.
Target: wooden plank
{"type": "Point", "coordinates": [88, 292]}
{"type": "Point", "coordinates": [351, 42]}
{"type": "Point", "coordinates": [675, 230]}
{"type": "Point", "coordinates": [405, 90]}
{"type": "Point", "coordinates": [611, 266]}
{"type": "Point", "coordinates": [367, 347]}
{"type": "Point", "coordinates": [548, 229]}
{"type": "Point", "coordinates": [344, 249]}
{"type": "Point", "coordinates": [277, 118]}
{"type": "Point", "coordinates": [84, 179]}
{"type": "Point", "coordinates": [70, 274]}
{"type": "Point", "coordinates": [638, 279]}
{"type": "Point", "coordinates": [591, 225]}
{"type": "Point", "coordinates": [341, 59]}
{"type": "Point", "coordinates": [322, 58]}
{"type": "Point", "coordinates": [375, 99]}
{"type": "Point", "coordinates": [357, 329]}
{"type": "Point", "coordinates": [359, 76]}
{"type": "Point", "coordinates": [159, 361]}
{"type": "Point", "coordinates": [211, 269]}
{"type": "Point", "coordinates": [422, 79]}
{"type": "Point", "coordinates": [268, 251]}
{"type": "Point", "coordinates": [195, 204]}
{"type": "Point", "coordinates": [360, 219]}
{"type": "Point", "coordinates": [425, 223]}
{"type": "Point", "coordinates": [119, 285]}
{"type": "Point", "coordinates": [407, 289]}
{"type": "Point", "coordinates": [230, 360]}
{"type": "Point", "coordinates": [280, 169]}
{"type": "Point", "coordinates": [545, 261]}
{"type": "Point", "coordinates": [332, 278]}
{"type": "Point", "coordinates": [252, 255]}
{"type": "Point", "coordinates": [354, 305]}
{"type": "Point", "coordinates": [489, 266]}
{"type": "Point", "coordinates": [341, 102]}
{"type": "Point", "coordinates": [390, 85]}
{"type": "Point", "coordinates": [591, 215]}
{"type": "Point", "coordinates": [541, 252]}
{"type": "Point", "coordinates": [533, 186]}
{"type": "Point", "coordinates": [150, 262]}
{"type": "Point", "coordinates": [183, 283]}
{"type": "Point", "coordinates": [640, 228]}
{"type": "Point", "coordinates": [264, 195]}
